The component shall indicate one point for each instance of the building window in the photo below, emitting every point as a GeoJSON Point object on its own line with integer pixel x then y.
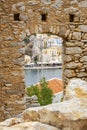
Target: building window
{"type": "Point", "coordinates": [16, 17]}
{"type": "Point", "coordinates": [71, 17]}
{"type": "Point", "coordinates": [44, 17]}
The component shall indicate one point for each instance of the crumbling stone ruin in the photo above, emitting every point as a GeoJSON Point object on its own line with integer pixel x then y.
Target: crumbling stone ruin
{"type": "Point", "coordinates": [65, 18]}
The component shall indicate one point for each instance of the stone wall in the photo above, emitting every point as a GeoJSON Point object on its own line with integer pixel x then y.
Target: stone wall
{"type": "Point", "coordinates": [75, 61]}
{"type": "Point", "coordinates": [64, 18]}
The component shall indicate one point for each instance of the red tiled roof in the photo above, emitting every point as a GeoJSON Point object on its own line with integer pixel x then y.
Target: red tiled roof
{"type": "Point", "coordinates": [56, 85]}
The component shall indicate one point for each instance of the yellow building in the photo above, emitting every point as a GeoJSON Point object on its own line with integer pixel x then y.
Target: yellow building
{"type": "Point", "coordinates": [52, 54]}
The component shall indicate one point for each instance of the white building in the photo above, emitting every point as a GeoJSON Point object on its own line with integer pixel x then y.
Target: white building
{"type": "Point", "coordinates": [52, 55]}
{"type": "Point", "coordinates": [27, 59]}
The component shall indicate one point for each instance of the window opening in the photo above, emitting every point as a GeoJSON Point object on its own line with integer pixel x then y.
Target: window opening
{"type": "Point", "coordinates": [44, 17]}
{"type": "Point", "coordinates": [16, 17]}
{"type": "Point", "coordinates": [72, 17]}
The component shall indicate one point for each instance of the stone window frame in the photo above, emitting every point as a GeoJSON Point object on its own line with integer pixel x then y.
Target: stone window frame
{"type": "Point", "coordinates": [17, 17]}
{"type": "Point", "coordinates": [44, 17]}
{"type": "Point", "coordinates": [71, 17]}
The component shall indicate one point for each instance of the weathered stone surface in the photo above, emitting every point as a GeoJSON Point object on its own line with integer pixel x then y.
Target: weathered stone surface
{"type": "Point", "coordinates": [74, 65]}
{"type": "Point", "coordinates": [74, 2]}
{"type": "Point", "coordinates": [57, 4]}
{"type": "Point", "coordinates": [76, 44]}
{"type": "Point", "coordinates": [68, 58]}
{"type": "Point", "coordinates": [18, 6]}
{"type": "Point", "coordinates": [69, 73]}
{"type": "Point", "coordinates": [83, 3]}
{"type": "Point", "coordinates": [46, 1]}
{"type": "Point", "coordinates": [30, 126]}
{"type": "Point", "coordinates": [83, 28]}
{"type": "Point", "coordinates": [32, 2]}
{"type": "Point", "coordinates": [83, 59]}
{"type": "Point", "coordinates": [85, 36]}
{"type": "Point", "coordinates": [77, 35]}
{"type": "Point", "coordinates": [22, 35]}
{"type": "Point", "coordinates": [10, 122]}
{"type": "Point", "coordinates": [76, 88]}
{"type": "Point", "coordinates": [73, 50]}
{"type": "Point", "coordinates": [71, 10]}
{"type": "Point", "coordinates": [82, 74]}
{"type": "Point", "coordinates": [21, 19]}
{"type": "Point", "coordinates": [70, 114]}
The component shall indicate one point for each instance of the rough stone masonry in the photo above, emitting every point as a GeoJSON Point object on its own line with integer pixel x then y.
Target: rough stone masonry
{"type": "Point", "coordinates": [18, 19]}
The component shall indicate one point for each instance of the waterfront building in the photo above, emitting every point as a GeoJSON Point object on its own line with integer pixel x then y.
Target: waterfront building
{"type": "Point", "coordinates": [52, 54]}
{"type": "Point", "coordinates": [45, 49]}
{"type": "Point", "coordinates": [27, 59]}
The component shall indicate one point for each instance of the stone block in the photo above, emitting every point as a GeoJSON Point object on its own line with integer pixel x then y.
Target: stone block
{"type": "Point", "coordinates": [83, 28]}
{"type": "Point", "coordinates": [83, 59]}
{"type": "Point", "coordinates": [76, 88]}
{"type": "Point", "coordinates": [74, 44]}
{"type": "Point", "coordinates": [67, 58]}
{"type": "Point", "coordinates": [18, 6]}
{"type": "Point", "coordinates": [85, 36]}
{"type": "Point", "coordinates": [82, 74]}
{"type": "Point", "coordinates": [83, 4]}
{"type": "Point", "coordinates": [73, 50]}
{"type": "Point", "coordinates": [23, 17]}
{"type": "Point", "coordinates": [30, 126]}
{"type": "Point", "coordinates": [69, 73]}
{"type": "Point", "coordinates": [76, 36]}
{"type": "Point", "coordinates": [73, 65]}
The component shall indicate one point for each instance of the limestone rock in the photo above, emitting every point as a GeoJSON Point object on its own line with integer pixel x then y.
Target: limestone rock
{"type": "Point", "coordinates": [70, 10]}
{"type": "Point", "coordinates": [32, 2]}
{"type": "Point", "coordinates": [67, 58]}
{"type": "Point", "coordinates": [61, 17]}
{"type": "Point", "coordinates": [76, 88]}
{"type": "Point", "coordinates": [70, 73]}
{"type": "Point", "coordinates": [18, 6]}
{"type": "Point", "coordinates": [71, 114]}
{"type": "Point", "coordinates": [83, 28]}
{"type": "Point", "coordinates": [83, 4]}
{"type": "Point", "coordinates": [73, 50]}
{"type": "Point", "coordinates": [10, 122]}
{"type": "Point", "coordinates": [46, 1]}
{"type": "Point", "coordinates": [67, 115]}
{"type": "Point", "coordinates": [82, 74]}
{"type": "Point", "coordinates": [77, 35]}
{"type": "Point", "coordinates": [30, 126]}
{"type": "Point", "coordinates": [73, 65]}
{"type": "Point", "coordinates": [74, 2]}
{"type": "Point", "coordinates": [85, 36]}
{"type": "Point", "coordinates": [23, 17]}
{"type": "Point", "coordinates": [27, 32]}
{"type": "Point", "coordinates": [57, 4]}
{"type": "Point", "coordinates": [22, 36]}
{"type": "Point", "coordinates": [83, 59]}
{"type": "Point", "coordinates": [70, 44]}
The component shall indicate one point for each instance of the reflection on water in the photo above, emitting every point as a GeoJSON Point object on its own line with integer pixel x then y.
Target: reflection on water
{"type": "Point", "coordinates": [34, 76]}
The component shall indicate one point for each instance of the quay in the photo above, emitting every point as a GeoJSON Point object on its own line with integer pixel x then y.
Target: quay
{"type": "Point", "coordinates": [42, 67]}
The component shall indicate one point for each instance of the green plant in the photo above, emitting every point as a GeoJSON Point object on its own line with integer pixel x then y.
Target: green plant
{"type": "Point", "coordinates": [26, 40]}
{"type": "Point", "coordinates": [43, 92]}
{"type": "Point", "coordinates": [33, 90]}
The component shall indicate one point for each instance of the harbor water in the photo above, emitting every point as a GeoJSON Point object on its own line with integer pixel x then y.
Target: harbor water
{"type": "Point", "coordinates": [35, 75]}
